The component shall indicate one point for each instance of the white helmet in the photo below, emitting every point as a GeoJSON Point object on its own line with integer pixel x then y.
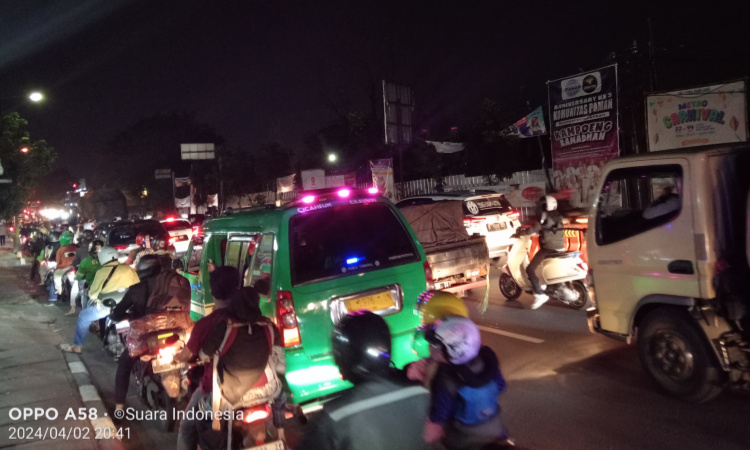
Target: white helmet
{"type": "Point", "coordinates": [107, 254]}
{"type": "Point", "coordinates": [548, 203]}
{"type": "Point", "coordinates": [458, 336]}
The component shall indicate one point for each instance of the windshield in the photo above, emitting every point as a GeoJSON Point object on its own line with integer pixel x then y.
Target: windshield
{"type": "Point", "coordinates": [347, 239]}
{"type": "Point", "coordinates": [485, 206]}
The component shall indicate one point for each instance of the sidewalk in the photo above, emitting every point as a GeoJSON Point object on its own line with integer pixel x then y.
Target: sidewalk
{"type": "Point", "coordinates": [36, 374]}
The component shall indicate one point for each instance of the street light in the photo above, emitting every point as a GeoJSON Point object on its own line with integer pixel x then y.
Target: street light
{"type": "Point", "coordinates": [332, 157]}
{"type": "Point", "coordinates": [25, 150]}
{"type": "Point", "coordinates": [36, 97]}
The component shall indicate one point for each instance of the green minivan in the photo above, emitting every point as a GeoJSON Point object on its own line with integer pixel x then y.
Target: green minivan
{"type": "Point", "coordinates": [326, 254]}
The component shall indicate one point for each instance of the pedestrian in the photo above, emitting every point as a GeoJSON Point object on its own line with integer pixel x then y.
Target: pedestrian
{"type": "Point", "coordinates": [464, 409]}
{"type": "Point", "coordinates": [223, 282]}
{"type": "Point", "coordinates": [3, 232]}
{"type": "Point", "coordinates": [111, 279]}
{"type": "Point", "coordinates": [382, 410]}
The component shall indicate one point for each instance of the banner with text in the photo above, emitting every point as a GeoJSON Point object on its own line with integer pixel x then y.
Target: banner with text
{"type": "Point", "coordinates": [583, 131]}
{"type": "Point", "coordinates": [382, 177]}
{"type": "Point", "coordinates": [703, 116]}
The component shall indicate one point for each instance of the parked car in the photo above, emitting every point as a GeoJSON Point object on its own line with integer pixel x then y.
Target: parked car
{"type": "Point", "coordinates": [313, 261]}
{"type": "Point", "coordinates": [180, 231]}
{"type": "Point", "coordinates": [121, 235]}
{"type": "Point", "coordinates": [486, 213]}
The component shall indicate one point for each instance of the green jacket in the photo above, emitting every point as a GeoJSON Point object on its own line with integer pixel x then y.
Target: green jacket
{"type": "Point", "coordinates": [87, 269]}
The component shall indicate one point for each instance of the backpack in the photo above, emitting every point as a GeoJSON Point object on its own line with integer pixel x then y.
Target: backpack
{"type": "Point", "coordinates": [234, 388]}
{"type": "Point", "coordinates": [171, 291]}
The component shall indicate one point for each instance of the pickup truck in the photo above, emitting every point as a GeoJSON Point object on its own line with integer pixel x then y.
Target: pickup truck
{"type": "Point", "coordinates": [458, 262]}
{"type": "Point", "coordinates": [667, 245]}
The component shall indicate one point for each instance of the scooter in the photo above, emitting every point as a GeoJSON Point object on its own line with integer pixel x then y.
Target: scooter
{"type": "Point", "coordinates": [562, 275]}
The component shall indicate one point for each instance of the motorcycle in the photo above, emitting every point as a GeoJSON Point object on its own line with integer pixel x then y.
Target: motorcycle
{"type": "Point", "coordinates": [112, 334]}
{"type": "Point", "coordinates": [562, 274]}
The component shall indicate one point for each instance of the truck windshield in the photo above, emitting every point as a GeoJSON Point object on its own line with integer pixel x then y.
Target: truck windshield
{"type": "Point", "coordinates": [345, 240]}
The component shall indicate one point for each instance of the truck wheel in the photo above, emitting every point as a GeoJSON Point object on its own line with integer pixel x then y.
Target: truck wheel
{"type": "Point", "coordinates": [508, 286]}
{"type": "Point", "coordinates": [676, 355]}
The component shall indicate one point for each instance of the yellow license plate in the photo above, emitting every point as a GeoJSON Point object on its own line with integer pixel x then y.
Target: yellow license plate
{"type": "Point", "coordinates": [383, 300]}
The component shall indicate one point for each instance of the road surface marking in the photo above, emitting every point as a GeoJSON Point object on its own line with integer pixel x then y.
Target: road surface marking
{"type": "Point", "coordinates": [77, 367]}
{"type": "Point", "coordinates": [511, 335]}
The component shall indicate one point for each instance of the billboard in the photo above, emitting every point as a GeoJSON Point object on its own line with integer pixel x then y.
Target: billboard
{"type": "Point", "coordinates": [313, 179]}
{"type": "Point", "coordinates": [583, 131]}
{"type": "Point", "coordinates": [702, 116]}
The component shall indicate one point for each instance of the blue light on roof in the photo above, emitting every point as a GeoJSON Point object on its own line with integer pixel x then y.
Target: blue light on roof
{"type": "Point", "coordinates": [353, 260]}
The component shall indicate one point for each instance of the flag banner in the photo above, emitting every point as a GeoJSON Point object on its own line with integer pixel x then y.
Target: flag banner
{"type": "Point", "coordinates": [285, 184]}
{"type": "Point", "coordinates": [313, 179]}
{"type": "Point", "coordinates": [583, 131]}
{"type": "Point", "coordinates": [382, 177]}
{"type": "Point", "coordinates": [347, 179]}
{"type": "Point", "coordinates": [212, 200]}
{"type": "Point", "coordinates": [530, 126]}
{"type": "Point", "coordinates": [447, 147]}
{"type": "Point", "coordinates": [703, 116]}
{"type": "Point", "coordinates": [182, 202]}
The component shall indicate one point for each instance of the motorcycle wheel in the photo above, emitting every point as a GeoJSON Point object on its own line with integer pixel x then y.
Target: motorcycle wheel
{"type": "Point", "coordinates": [583, 295]}
{"type": "Point", "coordinates": [508, 287]}
{"type": "Point", "coordinates": [113, 343]}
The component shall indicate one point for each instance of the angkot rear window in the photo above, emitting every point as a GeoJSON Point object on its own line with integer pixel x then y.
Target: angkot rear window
{"type": "Point", "coordinates": [347, 239]}
{"type": "Point", "coordinates": [485, 206]}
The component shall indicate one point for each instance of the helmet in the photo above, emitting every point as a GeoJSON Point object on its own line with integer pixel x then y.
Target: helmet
{"type": "Point", "coordinates": [548, 203]}
{"type": "Point", "coordinates": [53, 237]}
{"type": "Point", "coordinates": [95, 246]}
{"type": "Point", "coordinates": [87, 236]}
{"type": "Point", "coordinates": [148, 266]}
{"type": "Point", "coordinates": [66, 238]}
{"type": "Point", "coordinates": [107, 254]}
{"type": "Point", "coordinates": [158, 243]}
{"type": "Point", "coordinates": [143, 239]}
{"type": "Point", "coordinates": [458, 337]}
{"type": "Point", "coordinates": [436, 305]}
{"type": "Point", "coordinates": [361, 344]}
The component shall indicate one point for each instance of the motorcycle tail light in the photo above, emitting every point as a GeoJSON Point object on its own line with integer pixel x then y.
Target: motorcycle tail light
{"type": "Point", "coordinates": [167, 354]}
{"type": "Point", "coordinates": [286, 319]}
{"type": "Point", "coordinates": [256, 414]}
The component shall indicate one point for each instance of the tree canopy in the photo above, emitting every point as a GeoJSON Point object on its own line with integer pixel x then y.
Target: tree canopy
{"type": "Point", "coordinates": [24, 169]}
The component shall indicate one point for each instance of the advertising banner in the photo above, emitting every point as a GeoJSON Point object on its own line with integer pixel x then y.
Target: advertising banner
{"type": "Point", "coordinates": [285, 184]}
{"type": "Point", "coordinates": [313, 179]}
{"type": "Point", "coordinates": [529, 126]}
{"type": "Point", "coordinates": [382, 177]}
{"type": "Point", "coordinates": [347, 179]}
{"type": "Point", "coordinates": [583, 131]}
{"type": "Point", "coordinates": [703, 116]}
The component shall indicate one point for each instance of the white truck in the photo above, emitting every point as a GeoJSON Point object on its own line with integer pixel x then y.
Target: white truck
{"type": "Point", "coordinates": [668, 250]}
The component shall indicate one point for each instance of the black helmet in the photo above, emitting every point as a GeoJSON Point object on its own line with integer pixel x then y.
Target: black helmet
{"type": "Point", "coordinates": [361, 346]}
{"type": "Point", "coordinates": [87, 236]}
{"type": "Point", "coordinates": [148, 266]}
{"type": "Point", "coordinates": [53, 237]}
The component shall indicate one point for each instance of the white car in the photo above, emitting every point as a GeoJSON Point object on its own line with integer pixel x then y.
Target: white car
{"type": "Point", "coordinates": [486, 213]}
{"type": "Point", "coordinates": [180, 232]}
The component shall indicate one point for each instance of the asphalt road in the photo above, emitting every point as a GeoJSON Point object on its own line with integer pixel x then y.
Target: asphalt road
{"type": "Point", "coordinates": [567, 388]}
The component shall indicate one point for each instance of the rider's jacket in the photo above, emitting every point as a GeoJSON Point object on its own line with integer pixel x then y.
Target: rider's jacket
{"type": "Point", "coordinates": [377, 414]}
{"type": "Point", "coordinates": [551, 234]}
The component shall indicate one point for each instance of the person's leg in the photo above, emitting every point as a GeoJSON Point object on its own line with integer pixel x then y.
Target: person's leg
{"type": "Point", "coordinates": [122, 379]}
{"type": "Point", "coordinates": [84, 296]}
{"type": "Point", "coordinates": [73, 296]}
{"type": "Point", "coordinates": [52, 297]}
{"type": "Point", "coordinates": [531, 271]}
{"type": "Point", "coordinates": [85, 318]}
{"type": "Point", "coordinates": [187, 436]}
{"type": "Point", "coordinates": [58, 279]}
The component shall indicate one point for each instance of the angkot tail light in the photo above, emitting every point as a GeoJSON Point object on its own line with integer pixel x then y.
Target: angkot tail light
{"type": "Point", "coordinates": [256, 414]}
{"type": "Point", "coordinates": [286, 319]}
{"type": "Point", "coordinates": [120, 247]}
{"type": "Point", "coordinates": [514, 215]}
{"type": "Point", "coordinates": [428, 272]}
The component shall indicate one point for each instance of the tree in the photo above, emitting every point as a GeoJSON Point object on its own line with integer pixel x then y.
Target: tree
{"type": "Point", "coordinates": [23, 168]}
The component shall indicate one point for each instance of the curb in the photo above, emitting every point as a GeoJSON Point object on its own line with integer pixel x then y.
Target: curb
{"type": "Point", "coordinates": [91, 399]}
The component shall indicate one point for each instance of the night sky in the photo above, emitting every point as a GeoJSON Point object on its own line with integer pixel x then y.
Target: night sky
{"type": "Point", "coordinates": [268, 70]}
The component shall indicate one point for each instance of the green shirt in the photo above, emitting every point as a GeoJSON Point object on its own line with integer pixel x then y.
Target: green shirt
{"type": "Point", "coordinates": [87, 269]}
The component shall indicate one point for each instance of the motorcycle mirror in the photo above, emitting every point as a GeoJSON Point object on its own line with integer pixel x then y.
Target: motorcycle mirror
{"type": "Point", "coordinates": [109, 303]}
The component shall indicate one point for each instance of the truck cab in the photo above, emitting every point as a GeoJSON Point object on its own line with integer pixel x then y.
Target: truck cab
{"type": "Point", "coordinates": [666, 233]}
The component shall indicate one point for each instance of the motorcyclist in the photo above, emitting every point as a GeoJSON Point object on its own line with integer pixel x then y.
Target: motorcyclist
{"type": "Point", "coordinates": [380, 411]}
{"type": "Point", "coordinates": [64, 258]}
{"type": "Point", "coordinates": [464, 410]}
{"type": "Point", "coordinates": [48, 262]}
{"type": "Point", "coordinates": [111, 279]}
{"type": "Point", "coordinates": [87, 271]}
{"type": "Point", "coordinates": [133, 306]}
{"type": "Point", "coordinates": [551, 239]}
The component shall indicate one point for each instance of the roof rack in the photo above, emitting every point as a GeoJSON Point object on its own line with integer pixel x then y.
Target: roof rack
{"type": "Point", "coordinates": [229, 211]}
